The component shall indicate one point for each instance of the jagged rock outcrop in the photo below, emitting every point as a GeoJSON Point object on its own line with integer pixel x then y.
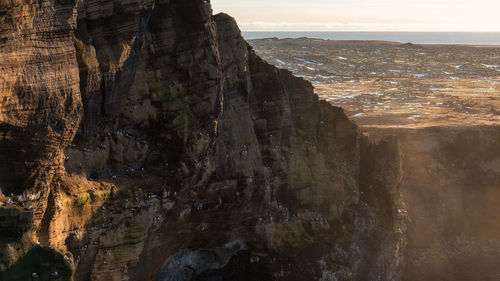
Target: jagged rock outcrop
{"type": "Point", "coordinates": [451, 157]}
{"type": "Point", "coordinates": [40, 110]}
{"type": "Point", "coordinates": [194, 159]}
{"type": "Point", "coordinates": [41, 104]}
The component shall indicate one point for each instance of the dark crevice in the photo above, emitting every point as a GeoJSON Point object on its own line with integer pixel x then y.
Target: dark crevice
{"type": "Point", "coordinates": [43, 232]}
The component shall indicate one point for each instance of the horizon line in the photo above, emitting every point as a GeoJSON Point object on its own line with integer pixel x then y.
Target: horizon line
{"type": "Point", "coordinates": [373, 31]}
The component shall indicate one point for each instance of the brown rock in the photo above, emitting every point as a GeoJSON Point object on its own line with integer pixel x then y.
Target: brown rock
{"type": "Point", "coordinates": [197, 157]}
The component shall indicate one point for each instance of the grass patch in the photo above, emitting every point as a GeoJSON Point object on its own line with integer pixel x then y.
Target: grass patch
{"type": "Point", "coordinates": [87, 199]}
{"type": "Point", "coordinates": [81, 201]}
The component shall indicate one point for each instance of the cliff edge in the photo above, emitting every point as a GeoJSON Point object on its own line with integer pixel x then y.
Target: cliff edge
{"type": "Point", "coordinates": [145, 140]}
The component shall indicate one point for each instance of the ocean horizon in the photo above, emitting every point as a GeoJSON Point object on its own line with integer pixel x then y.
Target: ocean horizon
{"type": "Point", "coordinates": [461, 38]}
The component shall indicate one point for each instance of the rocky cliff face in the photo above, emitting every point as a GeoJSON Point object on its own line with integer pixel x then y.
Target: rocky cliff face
{"type": "Point", "coordinates": [450, 184]}
{"type": "Point", "coordinates": [194, 158]}
{"type": "Point", "coordinates": [40, 111]}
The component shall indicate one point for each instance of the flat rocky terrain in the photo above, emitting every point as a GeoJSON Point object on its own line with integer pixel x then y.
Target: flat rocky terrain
{"type": "Point", "coordinates": [386, 84]}
{"type": "Point", "coordinates": [146, 140]}
{"type": "Point", "coordinates": [443, 104]}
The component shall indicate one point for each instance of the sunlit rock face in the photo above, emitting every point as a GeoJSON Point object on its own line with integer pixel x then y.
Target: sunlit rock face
{"type": "Point", "coordinates": [194, 158]}
{"type": "Point", "coordinates": [40, 105]}
{"type": "Point", "coordinates": [40, 111]}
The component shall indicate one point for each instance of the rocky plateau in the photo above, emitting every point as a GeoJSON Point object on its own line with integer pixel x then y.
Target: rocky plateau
{"type": "Point", "coordinates": [442, 102]}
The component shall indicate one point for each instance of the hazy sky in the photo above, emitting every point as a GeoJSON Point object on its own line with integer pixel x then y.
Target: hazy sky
{"type": "Point", "coordinates": [363, 15]}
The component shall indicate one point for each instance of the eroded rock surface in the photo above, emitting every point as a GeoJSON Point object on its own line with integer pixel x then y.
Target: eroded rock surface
{"type": "Point", "coordinates": [442, 102]}
{"type": "Point", "coordinates": [194, 160]}
{"type": "Point", "coordinates": [40, 111]}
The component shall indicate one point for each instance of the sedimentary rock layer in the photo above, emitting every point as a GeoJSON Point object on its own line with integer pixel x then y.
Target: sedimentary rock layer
{"type": "Point", "coordinates": [446, 117]}
{"type": "Point", "coordinates": [194, 159]}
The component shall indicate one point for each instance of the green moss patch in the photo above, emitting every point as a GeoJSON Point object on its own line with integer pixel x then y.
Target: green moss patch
{"type": "Point", "coordinates": [87, 199]}
{"type": "Point", "coordinates": [171, 104]}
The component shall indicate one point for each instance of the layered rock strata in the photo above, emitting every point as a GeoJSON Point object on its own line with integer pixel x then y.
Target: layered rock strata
{"type": "Point", "coordinates": [194, 158]}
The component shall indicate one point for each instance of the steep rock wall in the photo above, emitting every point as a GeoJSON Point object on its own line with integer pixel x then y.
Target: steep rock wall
{"type": "Point", "coordinates": [40, 110]}
{"type": "Point", "coordinates": [197, 160]}
{"type": "Point", "coordinates": [451, 184]}
{"type": "Point", "coordinates": [41, 104]}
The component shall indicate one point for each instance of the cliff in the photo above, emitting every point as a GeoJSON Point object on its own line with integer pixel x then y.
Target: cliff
{"type": "Point", "coordinates": [145, 140]}
{"type": "Point", "coordinates": [450, 185]}
{"type": "Point", "coordinates": [447, 125]}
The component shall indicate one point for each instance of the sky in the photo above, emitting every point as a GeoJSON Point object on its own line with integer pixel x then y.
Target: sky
{"type": "Point", "coordinates": [363, 15]}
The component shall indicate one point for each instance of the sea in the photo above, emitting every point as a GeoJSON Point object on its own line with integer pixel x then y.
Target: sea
{"type": "Point", "coordinates": [462, 38]}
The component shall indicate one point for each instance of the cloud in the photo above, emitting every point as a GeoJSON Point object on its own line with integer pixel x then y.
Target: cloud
{"type": "Point", "coordinates": [363, 15]}
{"type": "Point", "coordinates": [338, 26]}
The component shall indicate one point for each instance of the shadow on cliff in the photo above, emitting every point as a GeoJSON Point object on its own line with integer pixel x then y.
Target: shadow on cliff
{"type": "Point", "coordinates": [17, 156]}
{"type": "Point", "coordinates": [39, 263]}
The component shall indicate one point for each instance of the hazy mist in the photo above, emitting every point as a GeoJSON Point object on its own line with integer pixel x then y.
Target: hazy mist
{"type": "Point", "coordinates": [362, 15]}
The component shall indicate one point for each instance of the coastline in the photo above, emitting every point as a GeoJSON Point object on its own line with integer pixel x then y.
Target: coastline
{"type": "Point", "coordinates": [413, 37]}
